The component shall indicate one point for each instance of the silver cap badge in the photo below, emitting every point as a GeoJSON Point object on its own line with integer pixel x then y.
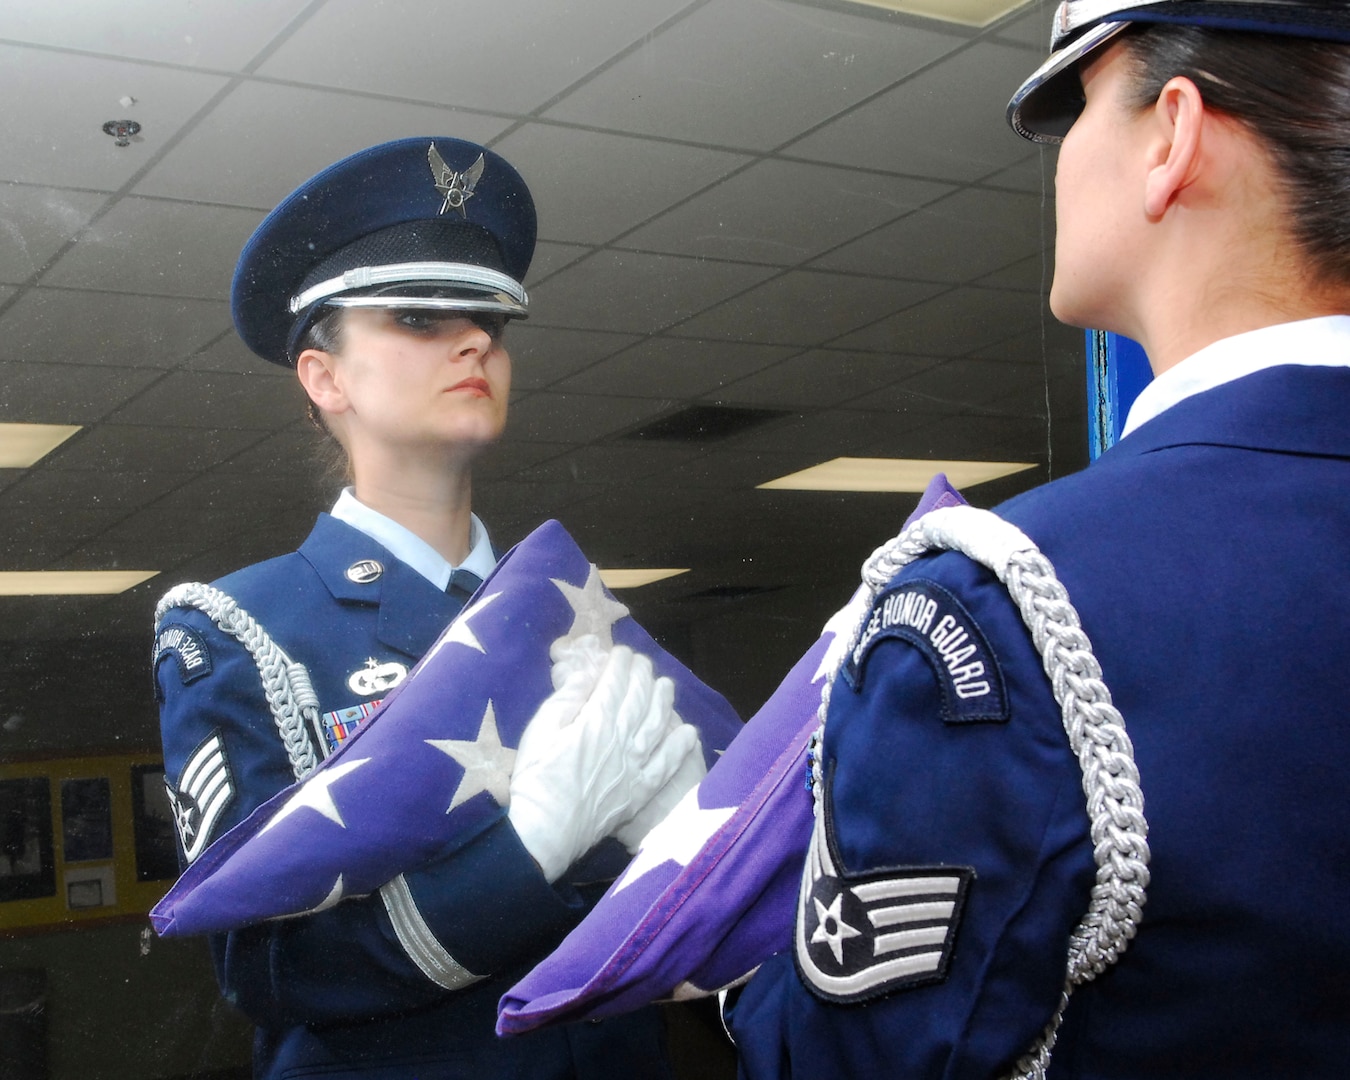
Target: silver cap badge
{"type": "Point", "coordinates": [457, 187]}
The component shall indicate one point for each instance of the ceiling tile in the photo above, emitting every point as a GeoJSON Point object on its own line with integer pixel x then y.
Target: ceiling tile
{"type": "Point", "coordinates": [613, 463]}
{"type": "Point", "coordinates": [1035, 173]}
{"type": "Point", "coordinates": [832, 433]}
{"type": "Point", "coordinates": [959, 383]}
{"type": "Point", "coordinates": [99, 489]}
{"type": "Point", "coordinates": [132, 448]}
{"type": "Point", "coordinates": [639, 293]}
{"type": "Point", "coordinates": [822, 378]}
{"type": "Point", "coordinates": [56, 105]}
{"type": "Point", "coordinates": [675, 368]}
{"type": "Point", "coordinates": [783, 212]}
{"type": "Point", "coordinates": [66, 393]}
{"type": "Point", "coordinates": [543, 355]}
{"type": "Point", "coordinates": [971, 233]}
{"type": "Point", "coordinates": [805, 307]}
{"type": "Point", "coordinates": [290, 134]}
{"type": "Point", "coordinates": [508, 56]}
{"type": "Point", "coordinates": [1029, 275]}
{"type": "Point", "coordinates": [1032, 27]}
{"type": "Point", "coordinates": [32, 536]}
{"type": "Point", "coordinates": [228, 353]}
{"type": "Point", "coordinates": [749, 74]}
{"type": "Point", "coordinates": [37, 222]}
{"type": "Point", "coordinates": [953, 324]}
{"type": "Point", "coordinates": [215, 399]}
{"type": "Point", "coordinates": [195, 34]}
{"type": "Point", "coordinates": [509, 458]}
{"type": "Point", "coordinates": [160, 247]}
{"type": "Point", "coordinates": [550, 257]}
{"type": "Point", "coordinates": [73, 326]}
{"type": "Point", "coordinates": [901, 132]}
{"type": "Point", "coordinates": [578, 418]}
{"type": "Point", "coordinates": [591, 186]}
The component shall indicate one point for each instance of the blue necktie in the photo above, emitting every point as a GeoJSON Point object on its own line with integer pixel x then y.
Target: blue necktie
{"type": "Point", "coordinates": [462, 584]}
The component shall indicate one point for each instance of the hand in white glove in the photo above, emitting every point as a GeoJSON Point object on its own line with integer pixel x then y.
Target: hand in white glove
{"type": "Point", "coordinates": [692, 769]}
{"type": "Point", "coordinates": [596, 751]}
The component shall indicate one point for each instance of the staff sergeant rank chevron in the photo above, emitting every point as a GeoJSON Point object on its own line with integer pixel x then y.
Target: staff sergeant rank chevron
{"type": "Point", "coordinates": [927, 616]}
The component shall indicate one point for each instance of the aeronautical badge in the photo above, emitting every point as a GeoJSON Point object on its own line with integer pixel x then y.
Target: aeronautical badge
{"type": "Point", "coordinates": [927, 616]}
{"type": "Point", "coordinates": [457, 187]}
{"type": "Point", "coordinates": [376, 678]}
{"type": "Point", "coordinates": [188, 649]}
{"type": "Point", "coordinates": [859, 936]}
{"type": "Point", "coordinates": [341, 724]}
{"type": "Point", "coordinates": [204, 789]}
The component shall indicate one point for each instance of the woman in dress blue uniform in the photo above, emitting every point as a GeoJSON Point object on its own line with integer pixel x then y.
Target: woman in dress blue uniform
{"type": "Point", "coordinates": [1201, 199]}
{"type": "Point", "coordinates": [386, 281]}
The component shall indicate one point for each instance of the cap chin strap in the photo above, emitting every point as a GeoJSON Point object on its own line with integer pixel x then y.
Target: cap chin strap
{"type": "Point", "coordinates": [421, 273]}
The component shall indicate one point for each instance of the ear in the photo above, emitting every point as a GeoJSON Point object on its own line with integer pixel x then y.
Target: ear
{"type": "Point", "coordinates": [1179, 118]}
{"type": "Point", "coordinates": [317, 372]}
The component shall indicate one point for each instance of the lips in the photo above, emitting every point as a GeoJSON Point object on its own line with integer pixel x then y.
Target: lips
{"type": "Point", "coordinates": [474, 386]}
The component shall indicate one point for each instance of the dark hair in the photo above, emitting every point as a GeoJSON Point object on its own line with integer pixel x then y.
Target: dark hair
{"type": "Point", "coordinates": [1293, 94]}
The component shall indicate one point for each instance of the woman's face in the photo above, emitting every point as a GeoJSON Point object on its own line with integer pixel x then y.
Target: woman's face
{"type": "Point", "coordinates": [1098, 205]}
{"type": "Point", "coordinates": [419, 377]}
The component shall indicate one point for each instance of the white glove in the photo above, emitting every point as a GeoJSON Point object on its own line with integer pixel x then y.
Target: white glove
{"type": "Point", "coordinates": [596, 751]}
{"type": "Point", "coordinates": [692, 769]}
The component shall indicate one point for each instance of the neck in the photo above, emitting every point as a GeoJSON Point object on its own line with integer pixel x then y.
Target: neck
{"type": "Point", "coordinates": [430, 499]}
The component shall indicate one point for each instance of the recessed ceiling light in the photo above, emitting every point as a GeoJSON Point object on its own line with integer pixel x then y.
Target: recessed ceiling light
{"type": "Point", "coordinates": [892, 474]}
{"type": "Point", "coordinates": [22, 445]}
{"type": "Point", "coordinates": [965, 12]}
{"type": "Point", "coordinates": [70, 582]}
{"type": "Point", "coordinates": [631, 579]}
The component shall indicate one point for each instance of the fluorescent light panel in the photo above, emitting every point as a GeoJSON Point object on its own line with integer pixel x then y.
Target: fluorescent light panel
{"type": "Point", "coordinates": [893, 474]}
{"type": "Point", "coordinates": [632, 579]}
{"type": "Point", "coordinates": [22, 445]}
{"type": "Point", "coordinates": [965, 12]}
{"type": "Point", "coordinates": [70, 582]}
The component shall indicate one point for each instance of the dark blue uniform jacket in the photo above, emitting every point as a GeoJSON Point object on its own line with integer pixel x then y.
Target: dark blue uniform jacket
{"type": "Point", "coordinates": [334, 994]}
{"type": "Point", "coordinates": [1207, 556]}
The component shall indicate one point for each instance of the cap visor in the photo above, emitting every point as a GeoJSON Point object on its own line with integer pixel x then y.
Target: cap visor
{"type": "Point", "coordinates": [1047, 104]}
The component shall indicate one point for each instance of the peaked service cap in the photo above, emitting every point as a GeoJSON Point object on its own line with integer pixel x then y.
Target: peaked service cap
{"type": "Point", "coordinates": [1046, 105]}
{"type": "Point", "coordinates": [423, 222]}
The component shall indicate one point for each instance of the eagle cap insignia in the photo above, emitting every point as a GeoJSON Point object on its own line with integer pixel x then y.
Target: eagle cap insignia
{"type": "Point", "coordinates": [457, 187]}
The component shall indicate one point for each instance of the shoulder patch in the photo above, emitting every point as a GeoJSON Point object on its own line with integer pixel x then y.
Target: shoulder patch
{"type": "Point", "coordinates": [859, 936]}
{"type": "Point", "coordinates": [927, 616]}
{"type": "Point", "coordinates": [204, 789]}
{"type": "Point", "coordinates": [187, 647]}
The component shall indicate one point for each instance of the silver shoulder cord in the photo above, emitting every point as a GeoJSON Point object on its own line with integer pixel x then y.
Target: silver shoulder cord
{"type": "Point", "coordinates": [1115, 804]}
{"type": "Point", "coordinates": [295, 710]}
{"type": "Point", "coordinates": [290, 696]}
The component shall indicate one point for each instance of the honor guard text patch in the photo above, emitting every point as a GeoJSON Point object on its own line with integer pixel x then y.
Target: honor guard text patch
{"type": "Point", "coordinates": [205, 788]}
{"type": "Point", "coordinates": [187, 647]}
{"type": "Point", "coordinates": [927, 616]}
{"type": "Point", "coordinates": [859, 936]}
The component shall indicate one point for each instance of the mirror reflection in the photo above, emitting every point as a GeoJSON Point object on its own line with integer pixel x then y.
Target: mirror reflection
{"type": "Point", "coordinates": [776, 238]}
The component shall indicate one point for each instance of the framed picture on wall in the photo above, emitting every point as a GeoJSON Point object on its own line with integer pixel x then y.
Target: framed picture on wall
{"type": "Point", "coordinates": [27, 864]}
{"type": "Point", "coordinates": [152, 817]}
{"type": "Point", "coordinates": [86, 819]}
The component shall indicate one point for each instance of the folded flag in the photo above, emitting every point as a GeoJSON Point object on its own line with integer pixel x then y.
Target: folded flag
{"type": "Point", "coordinates": [712, 891]}
{"type": "Point", "coordinates": [430, 769]}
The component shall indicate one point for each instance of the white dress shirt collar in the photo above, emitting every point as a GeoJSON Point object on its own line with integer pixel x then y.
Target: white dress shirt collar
{"type": "Point", "coordinates": [1322, 342]}
{"type": "Point", "coordinates": [406, 545]}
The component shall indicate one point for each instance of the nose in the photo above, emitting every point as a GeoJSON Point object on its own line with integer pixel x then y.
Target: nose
{"type": "Point", "coordinates": [473, 342]}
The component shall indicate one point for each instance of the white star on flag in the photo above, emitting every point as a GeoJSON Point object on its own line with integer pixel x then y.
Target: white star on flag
{"type": "Point", "coordinates": [315, 795]}
{"type": "Point", "coordinates": [595, 612]}
{"type": "Point", "coordinates": [842, 930]}
{"type": "Point", "coordinates": [678, 838]}
{"type": "Point", "coordinates": [459, 631]}
{"type": "Point", "coordinates": [487, 763]}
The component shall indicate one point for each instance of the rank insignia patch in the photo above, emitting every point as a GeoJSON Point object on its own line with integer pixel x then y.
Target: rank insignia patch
{"type": "Point", "coordinates": [339, 726]}
{"type": "Point", "coordinates": [927, 616]}
{"type": "Point", "coordinates": [204, 790]}
{"type": "Point", "coordinates": [860, 936]}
